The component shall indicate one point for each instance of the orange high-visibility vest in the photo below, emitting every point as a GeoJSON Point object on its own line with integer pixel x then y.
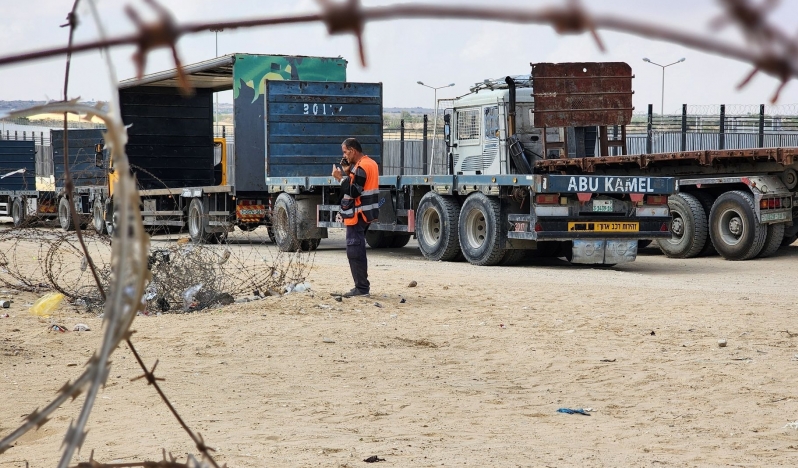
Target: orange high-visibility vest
{"type": "Point", "coordinates": [367, 203]}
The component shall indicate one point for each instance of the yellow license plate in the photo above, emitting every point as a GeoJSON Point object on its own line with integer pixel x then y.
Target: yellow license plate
{"type": "Point", "coordinates": [602, 226]}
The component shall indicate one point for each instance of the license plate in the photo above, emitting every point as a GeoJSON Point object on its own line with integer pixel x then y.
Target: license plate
{"type": "Point", "coordinates": [602, 206]}
{"type": "Point", "coordinates": [774, 216]}
{"type": "Point", "coordinates": [602, 226]}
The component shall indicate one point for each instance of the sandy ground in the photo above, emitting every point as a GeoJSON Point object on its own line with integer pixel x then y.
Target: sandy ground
{"type": "Point", "coordinates": [469, 371]}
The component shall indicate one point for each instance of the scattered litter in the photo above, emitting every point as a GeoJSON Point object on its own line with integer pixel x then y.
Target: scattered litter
{"type": "Point", "coordinates": [324, 306]}
{"type": "Point", "coordinates": [328, 340]}
{"type": "Point", "coordinates": [373, 459]}
{"type": "Point", "coordinates": [4, 316]}
{"type": "Point", "coordinates": [501, 325]}
{"type": "Point", "coordinates": [575, 411]}
{"type": "Point", "coordinates": [652, 333]}
{"type": "Point", "coordinates": [721, 343]}
{"type": "Point", "coordinates": [256, 293]}
{"type": "Point", "coordinates": [81, 327]}
{"type": "Point", "coordinates": [339, 298]}
{"type": "Point", "coordinates": [608, 360]}
{"type": "Point", "coordinates": [412, 284]}
{"type": "Point", "coordinates": [46, 304]}
{"type": "Point", "coordinates": [402, 300]}
{"type": "Point", "coordinates": [302, 287]}
{"type": "Point", "coordinates": [377, 304]}
{"type": "Point", "coordinates": [57, 328]}
{"type": "Point", "coordinates": [792, 425]}
{"type": "Point", "coordinates": [5, 304]}
{"type": "Point", "coordinates": [393, 316]}
{"type": "Point", "coordinates": [188, 297]}
{"type": "Point", "coordinates": [225, 257]}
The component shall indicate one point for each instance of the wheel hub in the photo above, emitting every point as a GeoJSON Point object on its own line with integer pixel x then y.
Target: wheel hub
{"type": "Point", "coordinates": [736, 226]}
{"type": "Point", "coordinates": [476, 228]}
{"type": "Point", "coordinates": [677, 226]}
{"type": "Point", "coordinates": [431, 223]}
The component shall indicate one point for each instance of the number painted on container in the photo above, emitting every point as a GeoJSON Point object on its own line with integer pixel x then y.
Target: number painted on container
{"type": "Point", "coordinates": [306, 109]}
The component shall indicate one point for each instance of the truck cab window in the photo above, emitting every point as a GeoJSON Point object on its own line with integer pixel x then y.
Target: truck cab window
{"type": "Point", "coordinates": [468, 124]}
{"type": "Point", "coordinates": [492, 122]}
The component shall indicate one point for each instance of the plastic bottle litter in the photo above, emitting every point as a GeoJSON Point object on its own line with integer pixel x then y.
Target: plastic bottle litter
{"type": "Point", "coordinates": [188, 296]}
{"type": "Point", "coordinates": [81, 327]}
{"type": "Point", "coordinates": [46, 304]}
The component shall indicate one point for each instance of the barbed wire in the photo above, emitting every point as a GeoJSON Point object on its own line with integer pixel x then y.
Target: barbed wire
{"type": "Point", "coordinates": [768, 50]}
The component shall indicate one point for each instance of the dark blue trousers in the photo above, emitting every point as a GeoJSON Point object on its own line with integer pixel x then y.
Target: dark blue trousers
{"type": "Point", "coordinates": [356, 253]}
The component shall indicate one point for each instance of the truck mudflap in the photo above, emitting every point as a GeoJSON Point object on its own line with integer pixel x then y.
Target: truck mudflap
{"type": "Point", "coordinates": [603, 251]}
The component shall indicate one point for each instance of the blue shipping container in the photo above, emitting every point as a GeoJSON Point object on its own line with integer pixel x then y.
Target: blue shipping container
{"type": "Point", "coordinates": [306, 122]}
{"type": "Point", "coordinates": [17, 166]}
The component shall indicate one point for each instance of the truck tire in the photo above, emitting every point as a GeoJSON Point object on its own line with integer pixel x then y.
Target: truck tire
{"type": "Point", "coordinates": [65, 215]}
{"type": "Point", "coordinates": [379, 239]}
{"type": "Point", "coordinates": [512, 257]}
{"type": "Point", "coordinates": [688, 229]}
{"type": "Point", "coordinates": [18, 212]}
{"type": "Point", "coordinates": [480, 230]}
{"type": "Point", "coordinates": [773, 238]}
{"type": "Point", "coordinates": [733, 227]}
{"type": "Point", "coordinates": [309, 245]}
{"type": "Point", "coordinates": [437, 228]}
{"type": "Point", "coordinates": [198, 222]}
{"type": "Point", "coordinates": [400, 240]}
{"type": "Point", "coordinates": [707, 200]}
{"type": "Point", "coordinates": [284, 223]}
{"type": "Point", "coordinates": [98, 218]}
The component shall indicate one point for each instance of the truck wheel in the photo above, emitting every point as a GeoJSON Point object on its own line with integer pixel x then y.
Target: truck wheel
{"type": "Point", "coordinates": [400, 240]}
{"type": "Point", "coordinates": [480, 230]}
{"type": "Point", "coordinates": [512, 257]}
{"type": "Point", "coordinates": [98, 220]}
{"type": "Point", "coordinates": [65, 215]}
{"type": "Point", "coordinates": [707, 200]}
{"type": "Point", "coordinates": [688, 229]}
{"type": "Point", "coordinates": [18, 212]}
{"type": "Point", "coordinates": [734, 229]}
{"type": "Point", "coordinates": [773, 238]}
{"type": "Point", "coordinates": [309, 245]}
{"type": "Point", "coordinates": [437, 229]}
{"type": "Point", "coordinates": [198, 221]}
{"type": "Point", "coordinates": [284, 223]}
{"type": "Point", "coordinates": [378, 239]}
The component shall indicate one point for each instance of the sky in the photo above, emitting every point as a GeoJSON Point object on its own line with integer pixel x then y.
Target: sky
{"type": "Point", "coordinates": [399, 52]}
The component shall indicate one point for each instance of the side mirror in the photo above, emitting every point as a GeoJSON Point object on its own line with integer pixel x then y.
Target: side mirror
{"type": "Point", "coordinates": [447, 129]}
{"type": "Point", "coordinates": [99, 157]}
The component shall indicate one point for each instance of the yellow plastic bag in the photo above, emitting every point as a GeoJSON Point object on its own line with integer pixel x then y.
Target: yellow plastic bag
{"type": "Point", "coordinates": [46, 304]}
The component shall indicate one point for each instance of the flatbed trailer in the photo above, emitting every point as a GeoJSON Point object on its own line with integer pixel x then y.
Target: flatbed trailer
{"type": "Point", "coordinates": [740, 203]}
{"type": "Point", "coordinates": [24, 194]}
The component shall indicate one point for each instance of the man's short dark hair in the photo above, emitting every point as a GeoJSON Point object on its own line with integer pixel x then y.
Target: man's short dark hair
{"type": "Point", "coordinates": [352, 143]}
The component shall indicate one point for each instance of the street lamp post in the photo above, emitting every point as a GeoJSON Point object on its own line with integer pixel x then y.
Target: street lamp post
{"type": "Point", "coordinates": [435, 118]}
{"type": "Point", "coordinates": [216, 32]}
{"type": "Point", "coordinates": [662, 103]}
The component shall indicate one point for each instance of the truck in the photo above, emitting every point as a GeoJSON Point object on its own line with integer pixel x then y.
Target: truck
{"type": "Point", "coordinates": [26, 192]}
{"type": "Point", "coordinates": [291, 116]}
{"type": "Point", "coordinates": [740, 203]}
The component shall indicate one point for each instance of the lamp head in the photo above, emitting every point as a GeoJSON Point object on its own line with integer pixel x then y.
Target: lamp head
{"type": "Point", "coordinates": [451, 84]}
{"type": "Point", "coordinates": [646, 60]}
{"type": "Point", "coordinates": [682, 59]}
{"type": "Point", "coordinates": [422, 84]}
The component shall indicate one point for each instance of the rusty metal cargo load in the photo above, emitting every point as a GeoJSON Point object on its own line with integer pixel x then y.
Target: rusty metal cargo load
{"type": "Point", "coordinates": [707, 158]}
{"type": "Point", "coordinates": [582, 94]}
